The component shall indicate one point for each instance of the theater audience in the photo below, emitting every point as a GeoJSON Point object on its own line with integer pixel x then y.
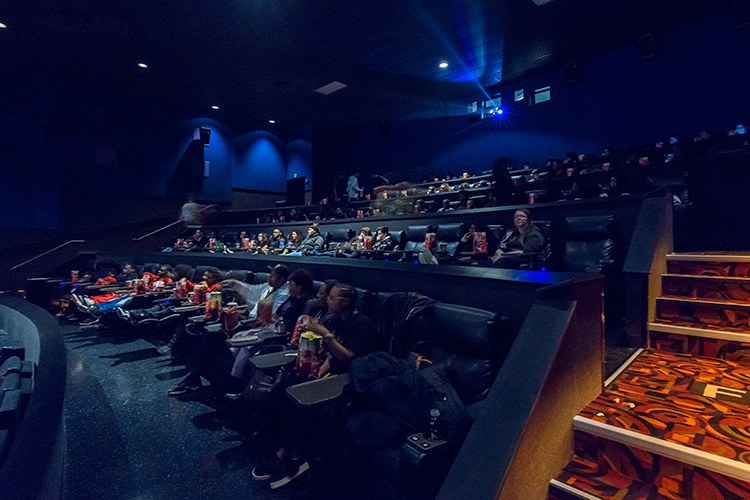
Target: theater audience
{"type": "Point", "coordinates": [313, 243]}
{"type": "Point", "coordinates": [524, 238]}
{"type": "Point", "coordinates": [347, 334]}
{"type": "Point", "coordinates": [292, 241]}
{"type": "Point", "coordinates": [383, 241]}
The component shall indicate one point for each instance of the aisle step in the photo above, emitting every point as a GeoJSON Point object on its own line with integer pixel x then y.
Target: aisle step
{"type": "Point", "coordinates": [588, 480]}
{"type": "Point", "coordinates": [700, 330]}
{"type": "Point", "coordinates": [718, 315]}
{"type": "Point", "coordinates": [706, 287]}
{"type": "Point", "coordinates": [690, 409]}
{"type": "Point", "coordinates": [728, 265]}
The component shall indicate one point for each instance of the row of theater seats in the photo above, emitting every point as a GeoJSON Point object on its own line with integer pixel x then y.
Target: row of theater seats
{"type": "Point", "coordinates": [16, 384]}
{"type": "Point", "coordinates": [470, 343]}
{"type": "Point", "coordinates": [584, 244]}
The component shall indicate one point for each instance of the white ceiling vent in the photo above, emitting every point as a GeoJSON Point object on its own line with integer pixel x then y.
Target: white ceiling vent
{"type": "Point", "coordinates": [331, 88]}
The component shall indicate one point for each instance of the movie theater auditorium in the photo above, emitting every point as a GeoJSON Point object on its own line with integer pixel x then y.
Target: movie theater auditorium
{"type": "Point", "coordinates": [545, 298]}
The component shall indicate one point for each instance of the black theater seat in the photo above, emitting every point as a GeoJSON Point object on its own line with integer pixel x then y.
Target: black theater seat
{"type": "Point", "coordinates": [590, 244]}
{"type": "Point", "coordinates": [339, 238]}
{"type": "Point", "coordinates": [450, 236]}
{"type": "Point", "coordinates": [415, 236]}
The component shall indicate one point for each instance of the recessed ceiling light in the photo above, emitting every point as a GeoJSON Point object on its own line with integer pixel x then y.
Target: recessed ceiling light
{"type": "Point", "coordinates": [2, 26]}
{"type": "Point", "coordinates": [214, 107]}
{"type": "Point", "coordinates": [443, 65]}
{"type": "Point", "coordinates": [143, 65]}
{"type": "Point", "coordinates": [332, 87]}
{"type": "Point", "coordinates": [271, 121]}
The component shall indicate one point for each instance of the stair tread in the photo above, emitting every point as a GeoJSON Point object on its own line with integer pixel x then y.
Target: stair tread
{"type": "Point", "coordinates": [705, 302]}
{"type": "Point", "coordinates": [602, 482]}
{"type": "Point", "coordinates": [661, 396]}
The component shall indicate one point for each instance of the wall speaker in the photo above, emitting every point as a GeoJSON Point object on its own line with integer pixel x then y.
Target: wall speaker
{"type": "Point", "coordinates": [741, 14]}
{"type": "Point", "coordinates": [647, 46]}
{"type": "Point", "coordinates": [573, 72]}
{"type": "Point", "coordinates": [205, 136]}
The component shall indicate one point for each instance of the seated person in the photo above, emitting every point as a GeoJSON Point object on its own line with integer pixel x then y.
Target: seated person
{"type": "Point", "coordinates": [262, 243]}
{"type": "Point", "coordinates": [446, 206]}
{"type": "Point", "coordinates": [211, 280]}
{"type": "Point", "coordinates": [301, 291]}
{"type": "Point", "coordinates": [276, 242]}
{"type": "Point", "coordinates": [239, 244]}
{"type": "Point", "coordinates": [612, 189]}
{"type": "Point", "coordinates": [272, 295]}
{"type": "Point", "coordinates": [128, 273]}
{"type": "Point", "coordinates": [313, 243]}
{"type": "Point", "coordinates": [292, 241]}
{"type": "Point", "coordinates": [383, 241]}
{"type": "Point", "coordinates": [356, 245]}
{"type": "Point", "coordinates": [347, 334]}
{"type": "Point", "coordinates": [197, 241]}
{"type": "Point", "coordinates": [524, 238]}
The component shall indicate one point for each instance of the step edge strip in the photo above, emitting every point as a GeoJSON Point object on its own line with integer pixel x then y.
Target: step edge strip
{"type": "Point", "coordinates": [700, 332]}
{"type": "Point", "coordinates": [704, 302]}
{"type": "Point", "coordinates": [624, 366]}
{"type": "Point", "coordinates": [573, 490]}
{"type": "Point", "coordinates": [707, 258]}
{"type": "Point", "coordinates": [668, 449]}
{"type": "Point", "coordinates": [706, 277]}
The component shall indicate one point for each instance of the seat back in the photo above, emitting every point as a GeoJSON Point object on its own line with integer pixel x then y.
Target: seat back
{"type": "Point", "coordinates": [197, 276]}
{"type": "Point", "coordinates": [415, 238]}
{"type": "Point", "coordinates": [471, 343]}
{"type": "Point", "coordinates": [546, 227]}
{"type": "Point", "coordinates": [589, 243]}
{"type": "Point", "coordinates": [260, 278]}
{"type": "Point", "coordinates": [399, 239]}
{"type": "Point", "coordinates": [450, 236]}
{"type": "Point", "coordinates": [339, 237]}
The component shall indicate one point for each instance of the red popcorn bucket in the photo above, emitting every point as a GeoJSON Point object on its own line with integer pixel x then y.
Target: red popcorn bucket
{"type": "Point", "coordinates": [129, 283]}
{"type": "Point", "coordinates": [139, 286]}
{"type": "Point", "coordinates": [368, 242]}
{"type": "Point", "coordinates": [469, 205]}
{"type": "Point", "coordinates": [246, 243]}
{"type": "Point", "coordinates": [213, 305]}
{"type": "Point", "coordinates": [180, 290]}
{"type": "Point", "coordinates": [212, 243]}
{"type": "Point", "coordinates": [74, 276]}
{"type": "Point", "coordinates": [360, 214]}
{"type": "Point", "coordinates": [199, 294]}
{"type": "Point", "coordinates": [308, 355]}
{"type": "Point", "coordinates": [480, 242]}
{"type": "Point", "coordinates": [430, 241]}
{"type": "Point", "coordinates": [435, 180]}
{"type": "Point", "coordinates": [532, 197]}
{"type": "Point", "coordinates": [570, 172]}
{"type": "Point", "coordinates": [466, 175]}
{"type": "Point", "coordinates": [229, 317]}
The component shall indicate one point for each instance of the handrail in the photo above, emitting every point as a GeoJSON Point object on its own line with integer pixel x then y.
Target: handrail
{"type": "Point", "coordinates": [139, 238]}
{"type": "Point", "coordinates": [50, 251]}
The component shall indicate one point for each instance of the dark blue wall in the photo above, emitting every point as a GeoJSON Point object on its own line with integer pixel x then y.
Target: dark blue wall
{"type": "Point", "coordinates": [698, 80]}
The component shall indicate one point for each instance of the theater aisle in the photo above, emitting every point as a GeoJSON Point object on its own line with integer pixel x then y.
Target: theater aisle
{"type": "Point", "coordinates": [126, 439]}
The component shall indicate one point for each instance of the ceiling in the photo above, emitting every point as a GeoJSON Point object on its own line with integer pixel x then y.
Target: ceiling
{"type": "Point", "coordinates": [261, 59]}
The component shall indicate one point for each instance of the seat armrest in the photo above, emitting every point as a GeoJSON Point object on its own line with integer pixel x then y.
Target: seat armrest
{"type": "Point", "coordinates": [422, 468]}
{"type": "Point", "coordinates": [189, 309]}
{"type": "Point", "coordinates": [316, 392]}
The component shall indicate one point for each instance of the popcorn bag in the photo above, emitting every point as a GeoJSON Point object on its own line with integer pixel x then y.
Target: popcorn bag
{"type": "Point", "coordinates": [265, 310]}
{"type": "Point", "coordinates": [308, 355]}
{"type": "Point", "coordinates": [213, 305]}
{"type": "Point", "coordinates": [480, 242]}
{"type": "Point", "coordinates": [368, 242]}
{"type": "Point", "coordinates": [246, 243]}
{"type": "Point", "coordinates": [430, 241]}
{"type": "Point", "coordinates": [139, 286]}
{"type": "Point", "coordinates": [180, 290]}
{"type": "Point", "coordinates": [303, 324]}
{"type": "Point", "coordinates": [212, 243]}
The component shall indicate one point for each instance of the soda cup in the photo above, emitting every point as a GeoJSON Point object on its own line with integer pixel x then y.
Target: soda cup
{"type": "Point", "coordinates": [360, 214]}
{"type": "Point", "coordinates": [532, 197]}
{"type": "Point", "coordinates": [466, 175]}
{"type": "Point", "coordinates": [139, 286]}
{"type": "Point", "coordinates": [309, 354]}
{"type": "Point", "coordinates": [74, 276]}
{"type": "Point", "coordinates": [199, 294]}
{"type": "Point", "coordinates": [159, 286]}
{"type": "Point", "coordinates": [644, 161]}
{"type": "Point", "coordinates": [606, 166]}
{"type": "Point", "coordinates": [570, 172]}
{"type": "Point", "coordinates": [435, 180]}
{"type": "Point", "coordinates": [129, 283]}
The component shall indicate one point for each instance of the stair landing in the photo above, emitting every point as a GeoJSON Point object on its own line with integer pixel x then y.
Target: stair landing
{"type": "Point", "coordinates": [681, 401]}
